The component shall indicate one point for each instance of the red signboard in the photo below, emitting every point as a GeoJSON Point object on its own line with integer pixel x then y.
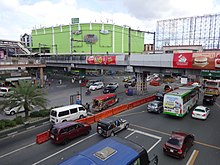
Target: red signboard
{"type": "Point", "coordinates": [182, 60]}
{"type": "Point", "coordinates": [104, 60]}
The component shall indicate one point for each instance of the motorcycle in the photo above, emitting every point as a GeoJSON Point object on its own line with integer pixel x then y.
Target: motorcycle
{"type": "Point", "coordinates": [88, 92]}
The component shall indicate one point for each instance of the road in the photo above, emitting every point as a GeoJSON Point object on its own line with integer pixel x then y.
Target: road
{"type": "Point", "coordinates": [147, 129]}
{"type": "Point", "coordinates": [59, 94]}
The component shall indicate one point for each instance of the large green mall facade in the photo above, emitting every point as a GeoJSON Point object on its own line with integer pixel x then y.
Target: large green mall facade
{"type": "Point", "coordinates": [71, 38]}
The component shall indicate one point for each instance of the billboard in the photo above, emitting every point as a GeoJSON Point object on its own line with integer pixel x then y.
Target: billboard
{"type": "Point", "coordinates": [182, 60]}
{"type": "Point", "coordinates": [103, 60]}
{"type": "Point", "coordinates": [197, 60]}
{"type": "Point", "coordinates": [204, 60]}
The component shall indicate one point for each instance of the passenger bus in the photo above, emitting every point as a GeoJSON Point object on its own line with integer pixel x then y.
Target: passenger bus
{"type": "Point", "coordinates": [212, 87]}
{"type": "Point", "coordinates": [180, 101]}
{"type": "Point", "coordinates": [12, 81]}
{"type": "Point", "coordinates": [112, 151]}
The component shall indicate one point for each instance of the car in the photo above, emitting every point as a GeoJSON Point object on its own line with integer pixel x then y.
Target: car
{"type": "Point", "coordinates": [209, 99]}
{"type": "Point", "coordinates": [131, 83]}
{"type": "Point", "coordinates": [113, 83]}
{"type": "Point", "coordinates": [110, 126]}
{"type": "Point", "coordinates": [110, 89]}
{"type": "Point", "coordinates": [125, 79]}
{"type": "Point", "coordinates": [6, 91]}
{"type": "Point", "coordinates": [178, 144]}
{"type": "Point", "coordinates": [61, 133]}
{"type": "Point", "coordinates": [196, 84]}
{"type": "Point", "coordinates": [201, 112]}
{"type": "Point", "coordinates": [13, 110]}
{"type": "Point", "coordinates": [91, 82]}
{"type": "Point", "coordinates": [155, 106]}
{"type": "Point", "coordinates": [96, 86]}
{"type": "Point", "coordinates": [148, 78]}
{"type": "Point", "coordinates": [160, 96]}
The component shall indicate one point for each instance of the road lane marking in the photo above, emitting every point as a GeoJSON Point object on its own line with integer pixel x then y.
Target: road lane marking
{"type": "Point", "coordinates": [146, 134]}
{"type": "Point", "coordinates": [207, 145]}
{"type": "Point", "coordinates": [22, 132]}
{"type": "Point", "coordinates": [42, 160]}
{"type": "Point", "coordinates": [129, 135]}
{"type": "Point", "coordinates": [9, 153]}
{"type": "Point", "coordinates": [164, 133]}
{"type": "Point", "coordinates": [119, 115]}
{"type": "Point", "coordinates": [153, 130]}
{"type": "Point", "coordinates": [217, 104]}
{"type": "Point", "coordinates": [192, 158]}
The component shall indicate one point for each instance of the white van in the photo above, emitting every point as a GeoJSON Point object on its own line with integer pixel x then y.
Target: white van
{"type": "Point", "coordinates": [67, 113]}
{"type": "Point", "coordinates": [5, 91]}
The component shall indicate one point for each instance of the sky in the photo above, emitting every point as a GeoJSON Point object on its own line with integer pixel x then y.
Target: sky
{"type": "Point", "coordinates": [18, 17]}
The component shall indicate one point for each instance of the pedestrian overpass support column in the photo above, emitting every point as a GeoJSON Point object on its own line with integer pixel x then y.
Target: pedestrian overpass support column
{"type": "Point", "coordinates": [141, 83]}
{"type": "Point", "coordinates": [41, 77]}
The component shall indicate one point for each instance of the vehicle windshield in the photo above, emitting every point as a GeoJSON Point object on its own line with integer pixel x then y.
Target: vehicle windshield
{"type": "Point", "coordinates": [153, 104]}
{"type": "Point", "coordinates": [54, 131]}
{"type": "Point", "coordinates": [53, 113]}
{"type": "Point", "coordinates": [208, 97]}
{"type": "Point", "coordinates": [199, 110]}
{"type": "Point", "coordinates": [174, 141]}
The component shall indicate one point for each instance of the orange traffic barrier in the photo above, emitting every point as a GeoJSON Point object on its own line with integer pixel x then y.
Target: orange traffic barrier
{"type": "Point", "coordinates": [130, 105]}
{"type": "Point", "coordinates": [99, 116]}
{"type": "Point", "coordinates": [83, 120]}
{"type": "Point", "coordinates": [42, 137]}
{"type": "Point", "coordinates": [119, 109]}
{"type": "Point", "coordinates": [90, 119]}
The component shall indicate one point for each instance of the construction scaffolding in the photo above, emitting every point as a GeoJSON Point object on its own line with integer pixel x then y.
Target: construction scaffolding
{"type": "Point", "coordinates": [198, 30]}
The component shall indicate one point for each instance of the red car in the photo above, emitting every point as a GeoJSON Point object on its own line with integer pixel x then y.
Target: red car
{"type": "Point", "coordinates": [63, 132]}
{"type": "Point", "coordinates": [178, 144]}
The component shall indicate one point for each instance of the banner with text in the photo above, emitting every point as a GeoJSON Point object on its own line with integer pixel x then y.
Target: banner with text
{"type": "Point", "coordinates": [103, 60]}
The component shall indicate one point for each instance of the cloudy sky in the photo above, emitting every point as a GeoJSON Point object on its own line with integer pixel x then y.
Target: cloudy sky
{"type": "Point", "coordinates": [21, 16]}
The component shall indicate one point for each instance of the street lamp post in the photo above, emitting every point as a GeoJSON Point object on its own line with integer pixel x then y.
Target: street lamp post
{"type": "Point", "coordinates": [80, 84]}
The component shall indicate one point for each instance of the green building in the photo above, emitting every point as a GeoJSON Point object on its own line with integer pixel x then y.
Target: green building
{"type": "Point", "coordinates": [86, 38]}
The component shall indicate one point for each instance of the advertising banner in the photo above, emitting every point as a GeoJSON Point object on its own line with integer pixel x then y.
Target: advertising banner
{"type": "Point", "coordinates": [182, 60]}
{"type": "Point", "coordinates": [103, 60]}
{"type": "Point", "coordinates": [205, 60]}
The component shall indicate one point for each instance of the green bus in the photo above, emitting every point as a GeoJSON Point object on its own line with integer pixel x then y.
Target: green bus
{"type": "Point", "coordinates": [179, 102]}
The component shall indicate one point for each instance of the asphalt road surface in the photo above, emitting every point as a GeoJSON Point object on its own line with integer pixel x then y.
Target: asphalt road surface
{"type": "Point", "coordinates": [147, 129]}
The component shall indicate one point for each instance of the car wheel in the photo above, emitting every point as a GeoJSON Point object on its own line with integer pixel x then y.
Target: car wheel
{"type": "Point", "coordinates": [112, 134]}
{"type": "Point", "coordinates": [184, 154]}
{"type": "Point", "coordinates": [12, 112]}
{"type": "Point", "coordinates": [81, 116]}
{"type": "Point", "coordinates": [127, 125]}
{"type": "Point", "coordinates": [65, 141]}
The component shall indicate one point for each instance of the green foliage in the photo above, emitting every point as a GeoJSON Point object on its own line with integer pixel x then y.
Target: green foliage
{"type": "Point", "coordinates": [19, 120]}
{"type": "Point", "coordinates": [40, 113]}
{"type": "Point", "coordinates": [2, 125]}
{"type": "Point", "coordinates": [9, 123]}
{"type": "Point", "coordinates": [26, 95]}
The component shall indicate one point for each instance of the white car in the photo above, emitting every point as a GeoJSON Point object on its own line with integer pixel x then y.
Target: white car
{"type": "Point", "coordinates": [96, 86]}
{"type": "Point", "coordinates": [113, 84]}
{"type": "Point", "coordinates": [196, 84]}
{"type": "Point", "coordinates": [12, 111]}
{"type": "Point", "coordinates": [201, 112]}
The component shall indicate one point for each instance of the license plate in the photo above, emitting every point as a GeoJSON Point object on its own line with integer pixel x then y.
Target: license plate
{"type": "Point", "coordinates": [52, 136]}
{"type": "Point", "coordinates": [171, 150]}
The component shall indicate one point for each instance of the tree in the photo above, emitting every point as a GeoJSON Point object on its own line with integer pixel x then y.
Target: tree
{"type": "Point", "coordinates": [26, 95]}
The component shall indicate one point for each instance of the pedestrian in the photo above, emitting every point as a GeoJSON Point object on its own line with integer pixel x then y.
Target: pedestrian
{"type": "Point", "coordinates": [49, 83]}
{"type": "Point", "coordinates": [88, 107]}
